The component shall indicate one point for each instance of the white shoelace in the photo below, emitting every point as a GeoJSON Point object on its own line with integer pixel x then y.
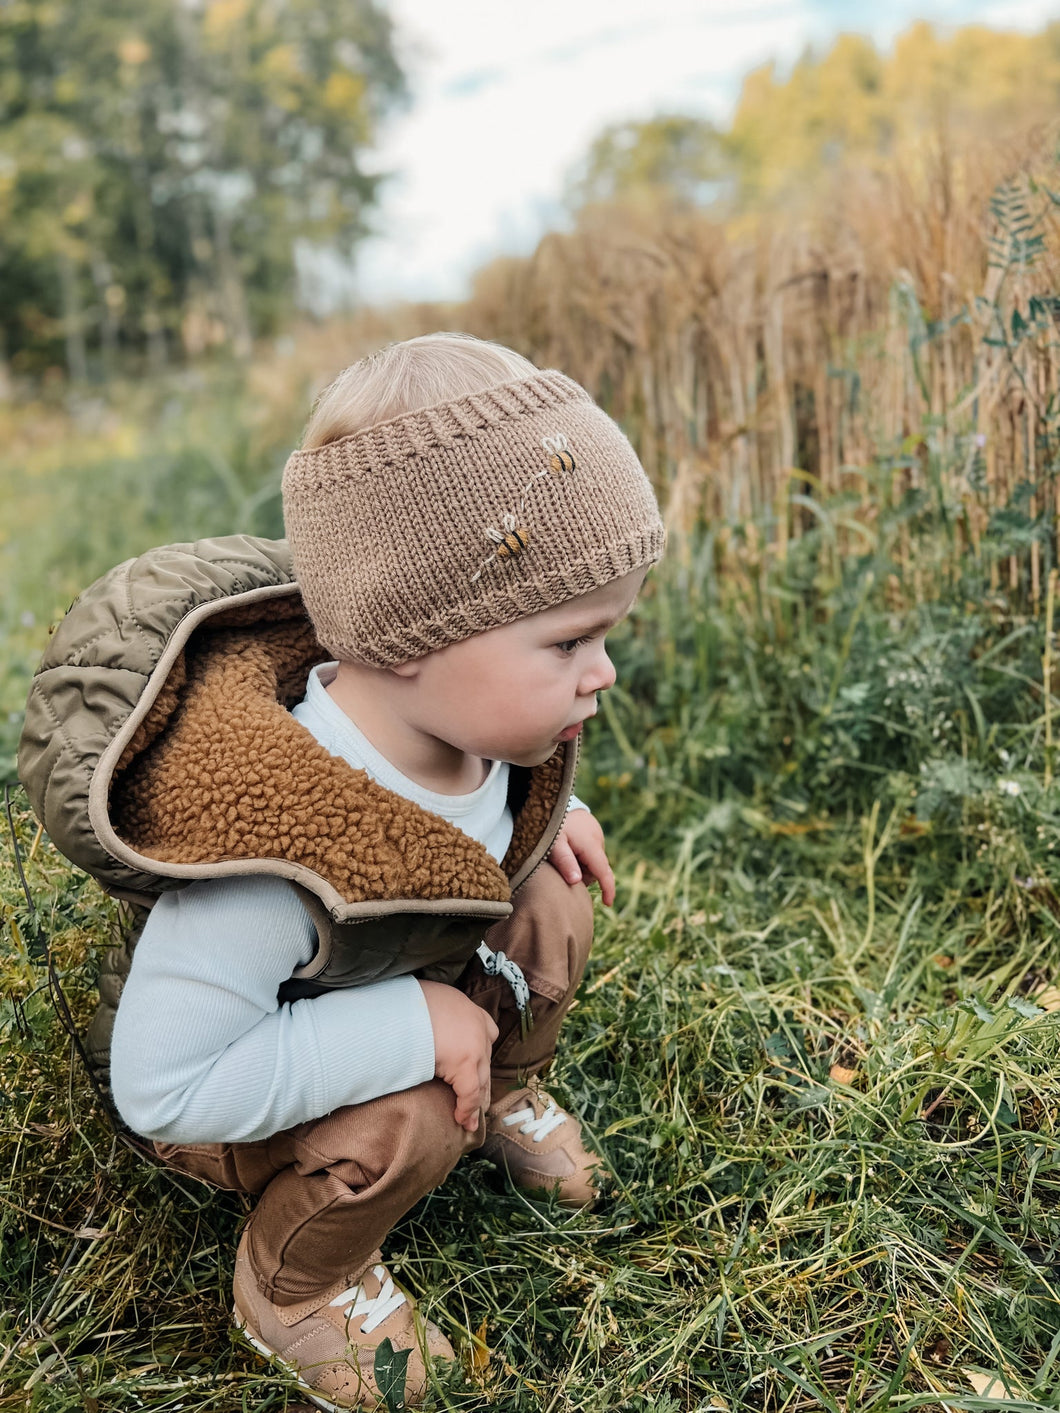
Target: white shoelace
{"type": "Point", "coordinates": [376, 1307]}
{"type": "Point", "coordinates": [541, 1127]}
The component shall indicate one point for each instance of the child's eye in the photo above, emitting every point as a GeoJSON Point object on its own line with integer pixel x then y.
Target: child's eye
{"type": "Point", "coordinates": [572, 643]}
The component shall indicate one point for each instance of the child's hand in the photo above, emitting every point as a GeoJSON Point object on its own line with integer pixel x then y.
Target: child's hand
{"type": "Point", "coordinates": [463, 1042]}
{"type": "Point", "coordinates": [580, 856]}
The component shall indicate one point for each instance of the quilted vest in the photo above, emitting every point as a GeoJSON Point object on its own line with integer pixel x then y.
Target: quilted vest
{"type": "Point", "coordinates": [159, 748]}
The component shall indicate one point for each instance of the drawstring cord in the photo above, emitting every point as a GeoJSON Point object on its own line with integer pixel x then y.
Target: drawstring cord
{"type": "Point", "coordinates": [498, 964]}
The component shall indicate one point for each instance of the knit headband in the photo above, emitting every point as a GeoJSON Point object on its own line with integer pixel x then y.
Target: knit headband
{"type": "Point", "coordinates": [449, 521]}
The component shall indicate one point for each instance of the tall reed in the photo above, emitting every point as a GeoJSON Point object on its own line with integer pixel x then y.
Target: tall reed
{"type": "Point", "coordinates": [898, 341]}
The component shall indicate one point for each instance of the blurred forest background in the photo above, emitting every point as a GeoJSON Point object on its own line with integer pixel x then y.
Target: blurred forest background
{"type": "Point", "coordinates": [818, 1042]}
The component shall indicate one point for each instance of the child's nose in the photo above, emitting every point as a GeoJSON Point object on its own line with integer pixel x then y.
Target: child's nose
{"type": "Point", "coordinates": [600, 675]}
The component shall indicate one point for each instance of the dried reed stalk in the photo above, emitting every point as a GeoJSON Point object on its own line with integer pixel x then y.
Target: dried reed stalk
{"type": "Point", "coordinates": [761, 359]}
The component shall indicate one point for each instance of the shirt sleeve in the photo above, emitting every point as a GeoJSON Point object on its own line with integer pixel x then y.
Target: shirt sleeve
{"type": "Point", "coordinates": [576, 804]}
{"type": "Point", "coordinates": [203, 1052]}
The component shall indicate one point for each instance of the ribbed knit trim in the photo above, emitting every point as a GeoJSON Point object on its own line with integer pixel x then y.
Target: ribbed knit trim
{"type": "Point", "coordinates": [418, 433]}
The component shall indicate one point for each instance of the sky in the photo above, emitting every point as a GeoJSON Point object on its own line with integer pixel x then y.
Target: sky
{"type": "Point", "coordinates": [507, 98]}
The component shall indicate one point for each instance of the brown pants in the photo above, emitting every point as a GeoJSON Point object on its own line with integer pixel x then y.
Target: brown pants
{"type": "Point", "coordinates": [330, 1189]}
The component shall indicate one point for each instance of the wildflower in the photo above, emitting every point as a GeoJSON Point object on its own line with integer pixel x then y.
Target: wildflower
{"type": "Point", "coordinates": [1009, 787]}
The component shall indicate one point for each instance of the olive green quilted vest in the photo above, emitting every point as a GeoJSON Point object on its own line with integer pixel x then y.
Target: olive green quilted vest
{"type": "Point", "coordinates": [159, 748]}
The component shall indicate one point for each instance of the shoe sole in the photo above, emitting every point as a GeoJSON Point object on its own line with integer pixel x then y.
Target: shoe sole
{"type": "Point", "coordinates": [314, 1395]}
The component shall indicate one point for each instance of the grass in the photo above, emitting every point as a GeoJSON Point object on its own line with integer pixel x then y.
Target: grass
{"type": "Point", "coordinates": [813, 1044]}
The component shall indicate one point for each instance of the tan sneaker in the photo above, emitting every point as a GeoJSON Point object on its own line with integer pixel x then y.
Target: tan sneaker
{"type": "Point", "coordinates": [331, 1350]}
{"type": "Point", "coordinates": [541, 1147]}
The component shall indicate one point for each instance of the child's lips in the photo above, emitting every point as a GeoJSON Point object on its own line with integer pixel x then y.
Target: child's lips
{"type": "Point", "coordinates": [571, 731]}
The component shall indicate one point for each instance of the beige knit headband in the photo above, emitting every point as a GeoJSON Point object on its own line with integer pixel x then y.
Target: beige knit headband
{"type": "Point", "coordinates": [446, 522]}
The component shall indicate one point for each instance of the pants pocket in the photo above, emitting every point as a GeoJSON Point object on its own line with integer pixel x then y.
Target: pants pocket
{"type": "Point", "coordinates": [236, 1167]}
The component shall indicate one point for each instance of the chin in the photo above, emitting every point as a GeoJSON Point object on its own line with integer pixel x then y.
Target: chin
{"type": "Point", "coordinates": [528, 759]}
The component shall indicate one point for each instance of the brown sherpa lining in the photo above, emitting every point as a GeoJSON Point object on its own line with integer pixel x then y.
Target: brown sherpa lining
{"type": "Point", "coordinates": [532, 820]}
{"type": "Point", "coordinates": [165, 703]}
{"type": "Point", "coordinates": [251, 613]}
{"type": "Point", "coordinates": [161, 709]}
{"type": "Point", "coordinates": [234, 776]}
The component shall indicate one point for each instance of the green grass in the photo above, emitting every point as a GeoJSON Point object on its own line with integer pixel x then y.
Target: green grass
{"type": "Point", "coordinates": [770, 1235]}
{"type": "Point", "coordinates": [809, 1043]}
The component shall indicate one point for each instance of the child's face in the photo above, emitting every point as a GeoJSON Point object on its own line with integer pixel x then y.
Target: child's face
{"type": "Point", "coordinates": [514, 693]}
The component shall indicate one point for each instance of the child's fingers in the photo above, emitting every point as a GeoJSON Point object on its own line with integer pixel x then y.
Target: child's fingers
{"type": "Point", "coordinates": [466, 1087]}
{"type": "Point", "coordinates": [464, 1035]}
{"type": "Point", "coordinates": [593, 861]}
{"type": "Point", "coordinates": [605, 877]}
{"type": "Point", "coordinates": [471, 1085]}
{"type": "Point", "coordinates": [562, 858]}
{"type": "Point", "coordinates": [484, 1087]}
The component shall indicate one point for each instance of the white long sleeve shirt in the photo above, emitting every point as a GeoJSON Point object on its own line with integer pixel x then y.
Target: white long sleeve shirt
{"type": "Point", "coordinates": [204, 1052]}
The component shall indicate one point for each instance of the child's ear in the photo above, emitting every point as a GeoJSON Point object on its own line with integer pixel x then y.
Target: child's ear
{"type": "Point", "coordinates": [408, 670]}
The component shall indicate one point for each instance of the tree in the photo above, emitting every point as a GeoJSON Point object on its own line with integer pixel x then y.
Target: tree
{"type": "Point", "coordinates": [162, 161]}
{"type": "Point", "coordinates": [853, 104]}
{"type": "Point", "coordinates": [685, 158]}
{"type": "Point", "coordinates": [850, 105]}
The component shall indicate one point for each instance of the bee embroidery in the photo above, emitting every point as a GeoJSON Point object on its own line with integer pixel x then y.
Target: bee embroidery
{"type": "Point", "coordinates": [513, 537]}
{"type": "Point", "coordinates": [512, 541]}
{"type": "Point", "coordinates": [561, 458]}
{"type": "Point", "coordinates": [508, 542]}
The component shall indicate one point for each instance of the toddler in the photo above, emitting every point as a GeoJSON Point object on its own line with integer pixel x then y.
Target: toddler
{"type": "Point", "coordinates": [383, 915]}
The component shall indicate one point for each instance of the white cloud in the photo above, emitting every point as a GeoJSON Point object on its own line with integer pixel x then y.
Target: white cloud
{"type": "Point", "coordinates": [1018, 14]}
{"type": "Point", "coordinates": [507, 102]}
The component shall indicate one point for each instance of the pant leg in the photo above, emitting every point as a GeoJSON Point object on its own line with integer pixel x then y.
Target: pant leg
{"type": "Point", "coordinates": [348, 1178]}
{"type": "Point", "coordinates": [332, 1188]}
{"type": "Point", "coordinates": [549, 934]}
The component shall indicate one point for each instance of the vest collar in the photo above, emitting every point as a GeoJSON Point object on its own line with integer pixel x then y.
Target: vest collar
{"type": "Point", "coordinates": [219, 779]}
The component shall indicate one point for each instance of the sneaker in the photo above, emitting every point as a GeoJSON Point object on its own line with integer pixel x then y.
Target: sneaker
{"type": "Point", "coordinates": [541, 1147]}
{"type": "Point", "coordinates": [331, 1350]}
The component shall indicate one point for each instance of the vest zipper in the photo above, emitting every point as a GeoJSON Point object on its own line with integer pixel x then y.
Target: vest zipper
{"type": "Point", "coordinates": [555, 833]}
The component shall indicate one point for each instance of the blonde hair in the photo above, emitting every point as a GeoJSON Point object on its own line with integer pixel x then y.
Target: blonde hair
{"type": "Point", "coordinates": [403, 377]}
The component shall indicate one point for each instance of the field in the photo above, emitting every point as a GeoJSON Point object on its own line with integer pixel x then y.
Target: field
{"type": "Point", "coordinates": [818, 1037]}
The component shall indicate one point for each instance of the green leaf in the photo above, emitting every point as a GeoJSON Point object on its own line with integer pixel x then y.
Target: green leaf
{"type": "Point", "coordinates": [390, 1366]}
{"type": "Point", "coordinates": [856, 694]}
{"type": "Point", "coordinates": [778, 1049]}
{"type": "Point", "coordinates": [1023, 1007]}
{"type": "Point", "coordinates": [974, 1007]}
